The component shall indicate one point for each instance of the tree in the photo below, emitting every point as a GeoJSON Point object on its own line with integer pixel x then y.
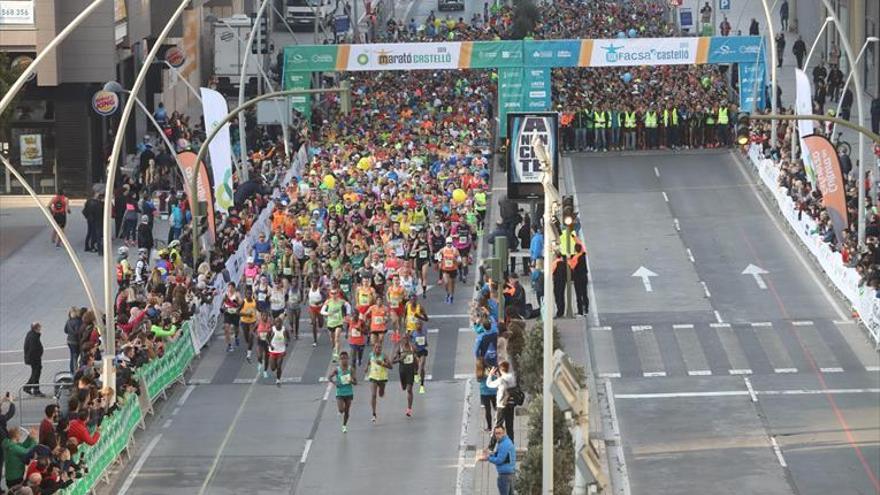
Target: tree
{"type": "Point", "coordinates": [529, 471]}
{"type": "Point", "coordinates": [525, 17]}
{"type": "Point", "coordinates": [8, 75]}
{"type": "Point", "coordinates": [530, 373]}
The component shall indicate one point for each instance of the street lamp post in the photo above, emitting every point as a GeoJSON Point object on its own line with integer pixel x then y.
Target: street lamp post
{"type": "Point", "coordinates": [242, 136]}
{"type": "Point", "coordinates": [870, 39]}
{"type": "Point", "coordinates": [109, 372]}
{"type": "Point", "coordinates": [6, 100]}
{"type": "Point", "coordinates": [828, 20]}
{"type": "Point", "coordinates": [547, 397]}
{"type": "Point", "coordinates": [773, 62]}
{"type": "Point", "coordinates": [177, 73]}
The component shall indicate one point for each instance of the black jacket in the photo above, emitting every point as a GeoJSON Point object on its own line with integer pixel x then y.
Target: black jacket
{"type": "Point", "coordinates": [33, 349]}
{"type": "Point", "coordinates": [145, 236]}
{"type": "Point", "coordinates": [71, 329]}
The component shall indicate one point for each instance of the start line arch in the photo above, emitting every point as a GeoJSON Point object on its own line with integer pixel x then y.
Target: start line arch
{"type": "Point", "coordinates": [524, 66]}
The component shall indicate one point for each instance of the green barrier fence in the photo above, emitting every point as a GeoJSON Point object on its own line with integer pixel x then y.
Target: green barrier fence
{"type": "Point", "coordinates": [117, 430]}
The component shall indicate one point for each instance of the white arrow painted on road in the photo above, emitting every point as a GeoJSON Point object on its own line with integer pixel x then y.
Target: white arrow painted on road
{"type": "Point", "coordinates": [756, 272]}
{"type": "Point", "coordinates": [645, 275]}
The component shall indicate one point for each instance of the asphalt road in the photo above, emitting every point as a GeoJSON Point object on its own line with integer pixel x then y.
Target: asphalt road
{"type": "Point", "coordinates": [718, 381]}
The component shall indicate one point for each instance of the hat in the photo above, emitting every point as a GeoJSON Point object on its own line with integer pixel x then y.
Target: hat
{"type": "Point", "coordinates": [145, 219]}
{"type": "Point", "coordinates": [250, 259]}
{"type": "Point", "coordinates": [449, 240]}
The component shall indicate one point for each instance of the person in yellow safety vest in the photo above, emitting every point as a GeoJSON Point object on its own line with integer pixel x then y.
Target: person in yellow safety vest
{"type": "Point", "coordinates": [600, 123]}
{"type": "Point", "coordinates": [651, 128]}
{"type": "Point", "coordinates": [664, 129]}
{"type": "Point", "coordinates": [711, 140]}
{"type": "Point", "coordinates": [629, 128]}
{"type": "Point", "coordinates": [671, 127]}
{"type": "Point", "coordinates": [480, 202]}
{"type": "Point", "coordinates": [723, 125]}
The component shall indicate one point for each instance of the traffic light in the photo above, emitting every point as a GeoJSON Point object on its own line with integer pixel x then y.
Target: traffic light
{"type": "Point", "coordinates": [261, 41]}
{"type": "Point", "coordinates": [742, 129]}
{"type": "Point", "coordinates": [568, 213]}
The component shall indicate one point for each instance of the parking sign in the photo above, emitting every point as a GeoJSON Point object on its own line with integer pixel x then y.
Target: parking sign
{"type": "Point", "coordinates": [723, 4]}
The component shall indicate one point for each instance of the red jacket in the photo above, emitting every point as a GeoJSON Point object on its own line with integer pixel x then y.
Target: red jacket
{"type": "Point", "coordinates": [78, 429]}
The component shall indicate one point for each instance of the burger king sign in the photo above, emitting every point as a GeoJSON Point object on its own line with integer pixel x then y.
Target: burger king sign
{"type": "Point", "coordinates": [105, 103]}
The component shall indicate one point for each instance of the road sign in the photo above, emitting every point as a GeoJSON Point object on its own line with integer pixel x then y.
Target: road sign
{"type": "Point", "coordinates": [723, 4]}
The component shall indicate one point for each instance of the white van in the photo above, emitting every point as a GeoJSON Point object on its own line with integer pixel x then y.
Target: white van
{"type": "Point", "coordinates": [302, 12]}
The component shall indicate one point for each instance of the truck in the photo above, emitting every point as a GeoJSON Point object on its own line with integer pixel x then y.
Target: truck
{"type": "Point", "coordinates": [301, 13]}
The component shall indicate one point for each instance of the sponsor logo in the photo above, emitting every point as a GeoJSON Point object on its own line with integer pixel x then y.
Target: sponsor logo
{"type": "Point", "coordinates": [620, 54]}
{"type": "Point", "coordinates": [105, 103]}
{"type": "Point", "coordinates": [563, 54]}
{"type": "Point", "coordinates": [537, 94]}
{"type": "Point", "coordinates": [363, 59]}
{"type": "Point", "coordinates": [226, 36]}
{"type": "Point", "coordinates": [726, 49]}
{"type": "Point", "coordinates": [542, 54]}
{"type": "Point", "coordinates": [390, 58]}
{"type": "Point", "coordinates": [322, 59]}
{"type": "Point", "coordinates": [175, 56]}
{"type": "Point", "coordinates": [297, 58]}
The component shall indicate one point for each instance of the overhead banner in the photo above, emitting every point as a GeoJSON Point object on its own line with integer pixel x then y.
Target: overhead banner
{"type": "Point", "coordinates": [187, 161]}
{"type": "Point", "coordinates": [300, 103]}
{"type": "Point", "coordinates": [829, 180]}
{"type": "Point", "coordinates": [752, 84]}
{"type": "Point", "coordinates": [510, 94]}
{"type": "Point", "coordinates": [524, 168]}
{"type": "Point", "coordinates": [618, 52]}
{"type": "Point", "coordinates": [220, 149]}
{"type": "Point", "coordinates": [804, 106]}
{"type": "Point", "coordinates": [538, 89]}
{"type": "Point", "coordinates": [649, 51]}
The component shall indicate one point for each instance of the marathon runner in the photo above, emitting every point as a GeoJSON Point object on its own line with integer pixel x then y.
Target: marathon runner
{"type": "Point", "coordinates": [449, 259]}
{"type": "Point", "coordinates": [344, 379]}
{"type": "Point", "coordinates": [264, 327]}
{"type": "Point", "coordinates": [461, 239]}
{"type": "Point", "coordinates": [420, 254]}
{"type": "Point", "coordinates": [278, 298]}
{"type": "Point", "coordinates": [316, 301]}
{"type": "Point", "coordinates": [248, 320]}
{"type": "Point", "coordinates": [357, 338]}
{"type": "Point", "coordinates": [396, 300]}
{"type": "Point", "coordinates": [406, 357]}
{"type": "Point", "coordinates": [334, 310]}
{"type": "Point", "coordinates": [278, 339]}
{"type": "Point", "coordinates": [378, 375]}
{"type": "Point", "coordinates": [415, 316]}
{"type": "Point", "coordinates": [377, 315]}
{"type": "Point", "coordinates": [294, 311]}
{"type": "Point", "coordinates": [231, 306]}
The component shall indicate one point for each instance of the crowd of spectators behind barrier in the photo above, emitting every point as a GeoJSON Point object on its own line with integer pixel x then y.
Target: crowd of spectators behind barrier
{"type": "Point", "coordinates": [808, 199]}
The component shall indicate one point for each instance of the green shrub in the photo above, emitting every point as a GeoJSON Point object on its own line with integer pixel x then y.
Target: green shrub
{"type": "Point", "coordinates": [529, 471]}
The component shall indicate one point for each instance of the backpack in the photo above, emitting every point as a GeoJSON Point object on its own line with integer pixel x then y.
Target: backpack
{"type": "Point", "coordinates": [488, 349]}
{"type": "Point", "coordinates": [516, 396]}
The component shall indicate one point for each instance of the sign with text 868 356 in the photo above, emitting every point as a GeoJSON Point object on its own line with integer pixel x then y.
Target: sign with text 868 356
{"type": "Point", "coordinates": [524, 172]}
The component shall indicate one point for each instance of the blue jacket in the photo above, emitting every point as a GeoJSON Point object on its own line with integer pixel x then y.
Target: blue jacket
{"type": "Point", "coordinates": [536, 248]}
{"type": "Point", "coordinates": [504, 456]}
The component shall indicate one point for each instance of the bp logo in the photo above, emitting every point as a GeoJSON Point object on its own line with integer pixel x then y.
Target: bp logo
{"type": "Point", "coordinates": [363, 59]}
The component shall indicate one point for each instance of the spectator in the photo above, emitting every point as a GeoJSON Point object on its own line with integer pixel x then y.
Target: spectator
{"type": "Point", "coordinates": [71, 329]}
{"type": "Point", "coordinates": [48, 436]}
{"type": "Point", "coordinates": [14, 453]}
{"type": "Point", "coordinates": [799, 49]}
{"type": "Point", "coordinates": [783, 15]}
{"type": "Point", "coordinates": [875, 115]}
{"type": "Point", "coordinates": [780, 48]}
{"type": "Point", "coordinates": [4, 425]}
{"type": "Point", "coordinates": [78, 429]}
{"type": "Point", "coordinates": [33, 357]}
{"type": "Point", "coordinates": [753, 28]}
{"type": "Point", "coordinates": [504, 459]}
{"type": "Point", "coordinates": [503, 381]}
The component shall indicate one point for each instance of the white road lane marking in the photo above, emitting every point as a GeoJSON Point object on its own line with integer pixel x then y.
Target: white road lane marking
{"type": "Point", "coordinates": [706, 289]}
{"type": "Point", "coordinates": [167, 424]}
{"type": "Point", "coordinates": [601, 329]}
{"type": "Point", "coordinates": [641, 328]}
{"type": "Point", "coordinates": [665, 197]}
{"type": "Point", "coordinates": [21, 363]}
{"type": "Point", "coordinates": [654, 374]}
{"type": "Point", "coordinates": [785, 370]}
{"type": "Point", "coordinates": [433, 330]}
{"type": "Point", "coordinates": [186, 394]}
{"type": "Point", "coordinates": [802, 323]}
{"type": "Point", "coordinates": [751, 390]}
{"type": "Point", "coordinates": [50, 348]}
{"type": "Point", "coordinates": [762, 324]}
{"type": "Point", "coordinates": [740, 371]}
{"type": "Point", "coordinates": [719, 325]}
{"type": "Point", "coordinates": [690, 255]}
{"type": "Point", "coordinates": [645, 274]}
{"type": "Point", "coordinates": [136, 469]}
{"type": "Point", "coordinates": [462, 376]}
{"type": "Point", "coordinates": [700, 372]}
{"type": "Point", "coordinates": [756, 273]}
{"type": "Point", "coordinates": [465, 330]}
{"type": "Point", "coordinates": [462, 439]}
{"type": "Point", "coordinates": [718, 317]}
{"type": "Point", "coordinates": [305, 454]}
{"type": "Point", "coordinates": [327, 391]}
{"type": "Point", "coordinates": [736, 393]}
{"type": "Point", "coordinates": [199, 381]}
{"type": "Point", "coordinates": [609, 375]}
{"type": "Point", "coordinates": [226, 437]}
{"type": "Point", "coordinates": [831, 370]}
{"type": "Point", "coordinates": [872, 368]}
{"type": "Point", "coordinates": [844, 322]}
{"type": "Point", "coordinates": [616, 447]}
{"type": "Point", "coordinates": [794, 249]}
{"type": "Point", "coordinates": [778, 452]}
{"type": "Point", "coordinates": [682, 326]}
{"type": "Point", "coordinates": [677, 225]}
{"type": "Point", "coordinates": [657, 172]}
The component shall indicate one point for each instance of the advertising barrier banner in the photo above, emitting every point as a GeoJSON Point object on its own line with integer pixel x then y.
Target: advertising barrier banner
{"type": "Point", "coordinates": [555, 53]}
{"type": "Point", "coordinates": [734, 49]}
{"type": "Point", "coordinates": [649, 51]}
{"type": "Point", "coordinates": [220, 149]}
{"type": "Point", "coordinates": [187, 162]}
{"type": "Point", "coordinates": [829, 179]}
{"type": "Point", "coordinates": [752, 81]}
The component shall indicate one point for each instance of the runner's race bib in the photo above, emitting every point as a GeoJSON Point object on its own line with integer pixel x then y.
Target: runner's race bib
{"type": "Point", "coordinates": [421, 340]}
{"type": "Point", "coordinates": [288, 271]}
{"type": "Point", "coordinates": [345, 379]}
{"type": "Point", "coordinates": [447, 263]}
{"type": "Point", "coordinates": [355, 333]}
{"type": "Point", "coordinates": [408, 359]}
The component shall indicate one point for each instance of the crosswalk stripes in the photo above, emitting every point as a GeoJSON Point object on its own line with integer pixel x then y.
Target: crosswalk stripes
{"type": "Point", "coordinates": [735, 348]}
